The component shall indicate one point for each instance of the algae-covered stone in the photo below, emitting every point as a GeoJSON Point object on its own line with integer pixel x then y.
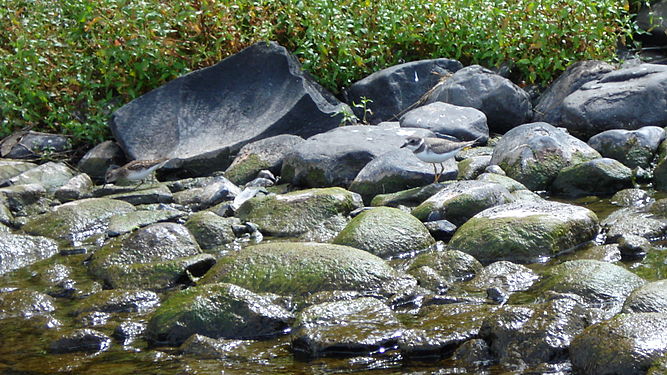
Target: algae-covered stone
{"type": "Point", "coordinates": [472, 167]}
{"type": "Point", "coordinates": [598, 176]}
{"type": "Point", "coordinates": [210, 230]}
{"type": "Point", "coordinates": [633, 148]}
{"type": "Point", "coordinates": [510, 184]}
{"type": "Point", "coordinates": [305, 268]}
{"type": "Point", "coordinates": [81, 340]}
{"type": "Point", "coordinates": [266, 153]}
{"type": "Point", "coordinates": [127, 222]}
{"type": "Point", "coordinates": [461, 200]}
{"type": "Point", "coordinates": [119, 300]}
{"type": "Point", "coordinates": [10, 168]}
{"type": "Point", "coordinates": [149, 195]}
{"type": "Point", "coordinates": [313, 214]}
{"type": "Point", "coordinates": [508, 276]}
{"type": "Point", "coordinates": [385, 232]}
{"type": "Point", "coordinates": [25, 303]}
{"type": "Point", "coordinates": [77, 187]}
{"type": "Point", "coordinates": [25, 200]}
{"type": "Point", "coordinates": [362, 325]}
{"type": "Point", "coordinates": [151, 257]}
{"type": "Point", "coordinates": [411, 197]}
{"type": "Point", "coordinates": [534, 153]}
{"type": "Point", "coordinates": [525, 231]}
{"type": "Point", "coordinates": [76, 221]}
{"type": "Point", "coordinates": [219, 311]}
{"type": "Point", "coordinates": [17, 251]}
{"type": "Point", "coordinates": [600, 284]}
{"type": "Point", "coordinates": [634, 221]}
{"type": "Point", "coordinates": [627, 344]}
{"type": "Point", "coordinates": [438, 329]}
{"type": "Point", "coordinates": [450, 265]}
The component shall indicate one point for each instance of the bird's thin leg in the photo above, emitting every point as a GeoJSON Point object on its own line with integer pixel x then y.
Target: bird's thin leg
{"type": "Point", "coordinates": [137, 187]}
{"type": "Point", "coordinates": [442, 170]}
{"type": "Point", "coordinates": [435, 172]}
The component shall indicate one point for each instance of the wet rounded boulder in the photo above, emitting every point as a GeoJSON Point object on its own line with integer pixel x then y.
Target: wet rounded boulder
{"type": "Point", "coordinates": [626, 344]}
{"type": "Point", "coordinates": [219, 311]}
{"type": "Point", "coordinates": [525, 231]}
{"type": "Point", "coordinates": [385, 232]}
{"type": "Point", "coordinates": [313, 214]}
{"type": "Point", "coordinates": [304, 268]}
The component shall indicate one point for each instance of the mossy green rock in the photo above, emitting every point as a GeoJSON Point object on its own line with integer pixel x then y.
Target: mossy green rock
{"type": "Point", "coordinates": [124, 223]}
{"type": "Point", "coordinates": [210, 230]}
{"type": "Point", "coordinates": [313, 214]}
{"type": "Point", "coordinates": [17, 251]}
{"type": "Point", "coordinates": [596, 177]}
{"type": "Point", "coordinates": [626, 344]}
{"type": "Point", "coordinates": [450, 265]}
{"type": "Point", "coordinates": [25, 303]}
{"type": "Point", "coordinates": [50, 175]}
{"type": "Point", "coordinates": [76, 221]}
{"type": "Point", "coordinates": [267, 153]}
{"type": "Point", "coordinates": [460, 200]}
{"type": "Point", "coordinates": [11, 168]}
{"type": "Point", "coordinates": [525, 231]}
{"type": "Point", "coordinates": [216, 310]}
{"type": "Point", "coordinates": [600, 284]}
{"type": "Point", "coordinates": [385, 232]}
{"type": "Point", "coordinates": [299, 269]}
{"type": "Point", "coordinates": [510, 184]}
{"type": "Point", "coordinates": [472, 167]}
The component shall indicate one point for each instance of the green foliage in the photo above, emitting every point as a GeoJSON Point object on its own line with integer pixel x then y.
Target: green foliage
{"type": "Point", "coordinates": [67, 64]}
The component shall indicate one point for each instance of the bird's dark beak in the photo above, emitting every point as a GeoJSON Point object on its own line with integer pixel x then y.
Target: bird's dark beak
{"type": "Point", "coordinates": [404, 144]}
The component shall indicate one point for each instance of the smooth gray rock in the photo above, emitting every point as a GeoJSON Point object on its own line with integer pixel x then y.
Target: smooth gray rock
{"type": "Point", "coordinates": [395, 89]}
{"type": "Point", "coordinates": [600, 284]}
{"type": "Point", "coordinates": [97, 161]}
{"type": "Point", "coordinates": [622, 99]}
{"type": "Point", "coordinates": [442, 268]}
{"type": "Point", "coordinates": [25, 200]}
{"type": "Point", "coordinates": [77, 187]}
{"type": "Point", "coordinates": [17, 251]}
{"type": "Point", "coordinates": [595, 177]}
{"type": "Point", "coordinates": [411, 197]}
{"type": "Point", "coordinates": [505, 104]}
{"type": "Point", "coordinates": [150, 194]}
{"type": "Point", "coordinates": [461, 200]}
{"type": "Point", "coordinates": [336, 157]}
{"type": "Point", "coordinates": [210, 230]}
{"type": "Point", "coordinates": [471, 168]}
{"type": "Point", "coordinates": [534, 154]}
{"type": "Point", "coordinates": [525, 231]}
{"type": "Point", "coordinates": [395, 171]}
{"type": "Point", "coordinates": [633, 148]}
{"type": "Point", "coordinates": [219, 311]}
{"type": "Point", "coordinates": [627, 344]}
{"type": "Point", "coordinates": [213, 192]}
{"type": "Point", "coordinates": [632, 198]}
{"type": "Point", "coordinates": [549, 106]}
{"type": "Point", "coordinates": [254, 157]}
{"type": "Point", "coordinates": [650, 297]}
{"type": "Point", "coordinates": [634, 221]}
{"type": "Point", "coordinates": [463, 123]}
{"type": "Point", "coordinates": [10, 168]}
{"type": "Point", "coordinates": [363, 325]}
{"type": "Point", "coordinates": [31, 144]}
{"type": "Point", "coordinates": [203, 117]}
{"type": "Point", "coordinates": [50, 175]}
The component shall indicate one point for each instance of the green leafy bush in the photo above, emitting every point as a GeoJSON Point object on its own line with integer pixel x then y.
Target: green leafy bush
{"type": "Point", "coordinates": [66, 65]}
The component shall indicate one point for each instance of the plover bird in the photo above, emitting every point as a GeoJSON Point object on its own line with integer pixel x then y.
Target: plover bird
{"type": "Point", "coordinates": [136, 170]}
{"type": "Point", "coordinates": [435, 150]}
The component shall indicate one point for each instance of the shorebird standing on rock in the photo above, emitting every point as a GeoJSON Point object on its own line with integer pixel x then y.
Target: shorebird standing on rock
{"type": "Point", "coordinates": [435, 150]}
{"type": "Point", "coordinates": [136, 170]}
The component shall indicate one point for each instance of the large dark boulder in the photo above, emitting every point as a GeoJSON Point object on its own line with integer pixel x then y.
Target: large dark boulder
{"type": "Point", "coordinates": [204, 116]}
{"type": "Point", "coordinates": [549, 105]}
{"type": "Point", "coordinates": [395, 89]}
{"type": "Point", "coordinates": [628, 98]}
{"type": "Point", "coordinates": [505, 104]}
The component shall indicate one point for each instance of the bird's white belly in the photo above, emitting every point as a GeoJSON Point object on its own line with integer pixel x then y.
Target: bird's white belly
{"type": "Point", "coordinates": [431, 157]}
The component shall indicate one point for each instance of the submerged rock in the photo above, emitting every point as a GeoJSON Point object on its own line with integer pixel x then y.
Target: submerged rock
{"type": "Point", "coordinates": [217, 310]}
{"type": "Point", "coordinates": [535, 153]}
{"type": "Point", "coordinates": [18, 251]}
{"type": "Point", "coordinates": [119, 300]}
{"type": "Point", "coordinates": [77, 221]}
{"type": "Point", "coordinates": [459, 201]}
{"type": "Point", "coordinates": [23, 303]}
{"type": "Point", "coordinates": [385, 232]}
{"type": "Point", "coordinates": [347, 328]}
{"type": "Point", "coordinates": [299, 269]}
{"type": "Point", "coordinates": [313, 214]}
{"type": "Point", "coordinates": [525, 231]}
{"type": "Point", "coordinates": [81, 340]}
{"type": "Point", "coordinates": [626, 344]}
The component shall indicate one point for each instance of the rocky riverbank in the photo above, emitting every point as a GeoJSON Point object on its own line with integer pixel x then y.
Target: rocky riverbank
{"type": "Point", "coordinates": [277, 241]}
